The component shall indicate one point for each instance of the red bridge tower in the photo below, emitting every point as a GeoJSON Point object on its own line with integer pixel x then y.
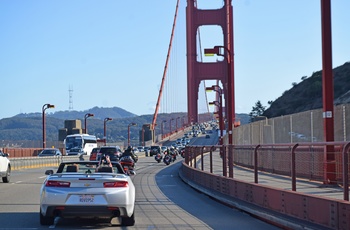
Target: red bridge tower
{"type": "Point", "coordinates": [198, 71]}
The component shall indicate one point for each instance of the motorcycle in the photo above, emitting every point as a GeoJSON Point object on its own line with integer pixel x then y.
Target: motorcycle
{"type": "Point", "coordinates": [182, 152]}
{"type": "Point", "coordinates": [167, 159]}
{"type": "Point", "coordinates": [158, 157]}
{"type": "Point", "coordinates": [127, 163]}
{"type": "Point", "coordinates": [173, 153]}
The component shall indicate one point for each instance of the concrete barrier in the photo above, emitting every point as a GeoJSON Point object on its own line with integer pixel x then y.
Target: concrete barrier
{"type": "Point", "coordinates": [39, 162]}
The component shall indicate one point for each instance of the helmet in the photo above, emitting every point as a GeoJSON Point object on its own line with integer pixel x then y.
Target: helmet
{"type": "Point", "coordinates": [129, 147]}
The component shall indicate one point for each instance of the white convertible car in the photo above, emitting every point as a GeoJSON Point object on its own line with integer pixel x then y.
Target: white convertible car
{"type": "Point", "coordinates": [82, 189]}
{"type": "Point", "coordinates": [5, 167]}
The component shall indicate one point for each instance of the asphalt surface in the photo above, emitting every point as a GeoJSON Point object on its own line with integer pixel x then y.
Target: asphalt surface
{"type": "Point", "coordinates": [163, 201]}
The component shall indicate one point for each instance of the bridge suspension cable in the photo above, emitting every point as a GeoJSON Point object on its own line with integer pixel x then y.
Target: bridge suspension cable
{"type": "Point", "coordinates": [165, 67]}
{"type": "Point", "coordinates": [169, 100]}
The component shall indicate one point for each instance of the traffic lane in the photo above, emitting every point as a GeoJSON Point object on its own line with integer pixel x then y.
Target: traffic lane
{"type": "Point", "coordinates": [214, 214]}
{"type": "Point", "coordinates": [153, 209]}
{"type": "Point", "coordinates": [20, 204]}
{"type": "Point", "coordinates": [19, 199]}
{"type": "Point", "coordinates": [23, 188]}
{"type": "Point", "coordinates": [198, 140]}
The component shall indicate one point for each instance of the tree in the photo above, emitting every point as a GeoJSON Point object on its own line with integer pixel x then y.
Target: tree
{"type": "Point", "coordinates": [257, 110]}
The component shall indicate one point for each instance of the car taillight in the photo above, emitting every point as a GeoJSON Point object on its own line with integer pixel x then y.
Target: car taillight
{"type": "Point", "coordinates": [115, 184]}
{"type": "Point", "coordinates": [54, 183]}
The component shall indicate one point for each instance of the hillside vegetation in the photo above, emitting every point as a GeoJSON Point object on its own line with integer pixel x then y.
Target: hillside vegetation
{"type": "Point", "coordinates": [307, 95]}
{"type": "Point", "coordinates": [29, 126]}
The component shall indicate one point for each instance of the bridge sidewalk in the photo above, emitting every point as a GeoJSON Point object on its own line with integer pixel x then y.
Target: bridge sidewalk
{"type": "Point", "coordinates": [326, 220]}
{"type": "Point", "coordinates": [276, 181]}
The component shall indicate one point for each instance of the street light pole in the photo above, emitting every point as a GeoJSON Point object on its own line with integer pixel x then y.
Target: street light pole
{"type": "Point", "coordinates": [104, 128]}
{"type": "Point", "coordinates": [221, 119]}
{"type": "Point", "coordinates": [85, 117]}
{"type": "Point", "coordinates": [143, 136]}
{"type": "Point", "coordinates": [170, 124]}
{"type": "Point", "coordinates": [45, 106]}
{"type": "Point", "coordinates": [162, 126]}
{"type": "Point", "coordinates": [217, 89]}
{"type": "Point", "coordinates": [176, 123]}
{"type": "Point", "coordinates": [230, 85]}
{"type": "Point", "coordinates": [183, 122]}
{"type": "Point", "coordinates": [131, 124]}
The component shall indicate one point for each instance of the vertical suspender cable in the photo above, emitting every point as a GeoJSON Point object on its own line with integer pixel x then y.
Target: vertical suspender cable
{"type": "Point", "coordinates": [165, 68]}
{"type": "Point", "coordinates": [201, 59]}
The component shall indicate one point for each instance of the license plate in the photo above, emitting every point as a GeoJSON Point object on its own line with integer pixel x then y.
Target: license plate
{"type": "Point", "coordinates": [86, 198]}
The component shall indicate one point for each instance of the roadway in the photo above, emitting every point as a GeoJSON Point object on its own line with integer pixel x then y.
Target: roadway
{"type": "Point", "coordinates": [163, 201]}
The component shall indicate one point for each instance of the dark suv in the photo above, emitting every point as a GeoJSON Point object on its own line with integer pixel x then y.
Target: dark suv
{"type": "Point", "coordinates": [114, 152]}
{"type": "Point", "coordinates": [154, 150]}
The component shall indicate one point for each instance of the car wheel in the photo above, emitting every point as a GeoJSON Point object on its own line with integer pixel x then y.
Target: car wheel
{"type": "Point", "coordinates": [44, 220]}
{"type": "Point", "coordinates": [128, 221]}
{"type": "Point", "coordinates": [6, 178]}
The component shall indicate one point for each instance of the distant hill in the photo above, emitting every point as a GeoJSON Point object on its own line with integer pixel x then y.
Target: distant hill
{"type": "Point", "coordinates": [307, 95]}
{"type": "Point", "coordinates": [243, 118]}
{"type": "Point", "coordinates": [29, 126]}
{"type": "Point", "coordinates": [99, 113]}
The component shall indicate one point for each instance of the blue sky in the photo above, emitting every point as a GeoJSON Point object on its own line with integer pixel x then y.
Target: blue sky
{"type": "Point", "coordinates": [112, 52]}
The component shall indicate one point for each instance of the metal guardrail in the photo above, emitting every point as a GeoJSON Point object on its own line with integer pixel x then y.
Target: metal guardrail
{"type": "Point", "coordinates": [38, 162]}
{"type": "Point", "coordinates": [306, 208]}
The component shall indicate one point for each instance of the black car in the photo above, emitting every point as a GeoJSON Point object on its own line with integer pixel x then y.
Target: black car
{"type": "Point", "coordinates": [114, 152]}
{"type": "Point", "coordinates": [154, 150]}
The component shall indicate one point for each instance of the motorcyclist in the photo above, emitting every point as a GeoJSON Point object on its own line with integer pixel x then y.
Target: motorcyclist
{"type": "Point", "coordinates": [130, 152]}
{"type": "Point", "coordinates": [173, 153]}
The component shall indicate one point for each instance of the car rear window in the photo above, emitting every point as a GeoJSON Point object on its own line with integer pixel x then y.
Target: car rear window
{"type": "Point", "coordinates": [110, 150]}
{"type": "Point", "coordinates": [95, 150]}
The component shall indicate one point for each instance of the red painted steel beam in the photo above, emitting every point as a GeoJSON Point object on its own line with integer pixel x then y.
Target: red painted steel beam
{"type": "Point", "coordinates": [327, 91]}
{"type": "Point", "coordinates": [198, 71]}
{"type": "Point", "coordinates": [230, 79]}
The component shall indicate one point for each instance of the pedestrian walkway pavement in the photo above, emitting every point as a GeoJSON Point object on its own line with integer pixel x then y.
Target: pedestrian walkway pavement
{"type": "Point", "coordinates": [273, 180]}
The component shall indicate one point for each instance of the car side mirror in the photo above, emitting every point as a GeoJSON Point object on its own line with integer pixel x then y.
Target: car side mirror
{"type": "Point", "coordinates": [6, 154]}
{"type": "Point", "coordinates": [49, 172]}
